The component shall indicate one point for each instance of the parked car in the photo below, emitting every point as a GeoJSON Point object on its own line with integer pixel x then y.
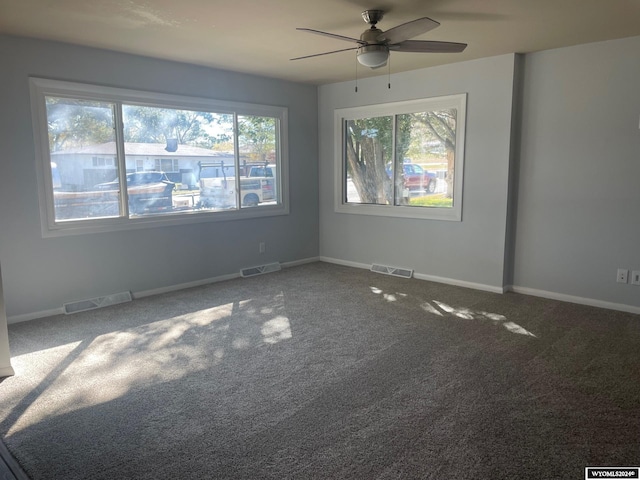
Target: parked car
{"type": "Point", "coordinates": [416, 179]}
{"type": "Point", "coordinates": [148, 191]}
{"type": "Point", "coordinates": [137, 178]}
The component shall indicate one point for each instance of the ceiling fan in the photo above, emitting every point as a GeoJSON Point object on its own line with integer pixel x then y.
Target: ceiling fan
{"type": "Point", "coordinates": [374, 44]}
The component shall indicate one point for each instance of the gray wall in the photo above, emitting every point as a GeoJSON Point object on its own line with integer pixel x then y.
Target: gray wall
{"type": "Point", "coordinates": [467, 252]}
{"type": "Point", "coordinates": [557, 220]}
{"type": "Point", "coordinates": [578, 215]}
{"type": "Point", "coordinates": [42, 273]}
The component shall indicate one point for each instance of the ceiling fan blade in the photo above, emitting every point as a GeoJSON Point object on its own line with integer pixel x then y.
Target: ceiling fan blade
{"type": "Point", "coordinates": [428, 46]}
{"type": "Point", "coordinates": [332, 35]}
{"type": "Point", "coordinates": [325, 53]}
{"type": "Point", "coordinates": [408, 30]}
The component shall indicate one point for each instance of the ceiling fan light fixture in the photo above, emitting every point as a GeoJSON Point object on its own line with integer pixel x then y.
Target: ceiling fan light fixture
{"type": "Point", "coordinates": [373, 55]}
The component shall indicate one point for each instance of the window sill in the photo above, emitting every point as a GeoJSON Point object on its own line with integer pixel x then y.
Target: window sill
{"type": "Point", "coordinates": [102, 225]}
{"type": "Point", "coordinates": [424, 213]}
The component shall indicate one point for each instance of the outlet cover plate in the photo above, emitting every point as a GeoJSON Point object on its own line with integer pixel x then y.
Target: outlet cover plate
{"type": "Point", "coordinates": [623, 276]}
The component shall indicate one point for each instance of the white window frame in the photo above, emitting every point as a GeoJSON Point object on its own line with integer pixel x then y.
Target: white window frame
{"type": "Point", "coordinates": [342, 115]}
{"type": "Point", "coordinates": [41, 88]}
{"type": "Point", "coordinates": [175, 164]}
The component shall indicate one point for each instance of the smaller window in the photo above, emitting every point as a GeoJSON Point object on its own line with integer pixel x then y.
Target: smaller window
{"type": "Point", "coordinates": [167, 165]}
{"type": "Point", "coordinates": [401, 159]}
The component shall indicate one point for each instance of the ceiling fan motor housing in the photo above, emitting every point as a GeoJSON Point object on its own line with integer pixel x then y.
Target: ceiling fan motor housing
{"type": "Point", "coordinates": [373, 53]}
{"type": "Point", "coordinates": [372, 16]}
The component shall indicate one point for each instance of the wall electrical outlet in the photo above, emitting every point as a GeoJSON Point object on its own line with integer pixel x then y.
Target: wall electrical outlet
{"type": "Point", "coordinates": [635, 277]}
{"type": "Point", "coordinates": [623, 276]}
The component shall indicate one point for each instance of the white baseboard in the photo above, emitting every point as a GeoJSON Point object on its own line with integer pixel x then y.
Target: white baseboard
{"type": "Point", "coordinates": [182, 286]}
{"type": "Point", "coordinates": [25, 317]}
{"type": "Point", "coordinates": [207, 281]}
{"type": "Point", "coordinates": [591, 302]}
{"type": "Point", "coordinates": [297, 263]}
{"type": "Point", "coordinates": [460, 283]}
{"type": "Point", "coordinates": [345, 263]}
{"type": "Point", "coordinates": [422, 276]}
{"type": "Point", "coordinates": [6, 372]}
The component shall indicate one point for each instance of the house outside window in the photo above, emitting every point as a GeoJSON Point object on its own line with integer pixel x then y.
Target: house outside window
{"type": "Point", "coordinates": [92, 141]}
{"type": "Point", "coordinates": [401, 159]}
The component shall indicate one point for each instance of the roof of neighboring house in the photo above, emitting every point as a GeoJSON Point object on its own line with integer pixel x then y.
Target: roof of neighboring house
{"type": "Point", "coordinates": [145, 149]}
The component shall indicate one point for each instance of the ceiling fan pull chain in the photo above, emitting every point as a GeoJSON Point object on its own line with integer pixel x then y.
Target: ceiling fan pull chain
{"type": "Point", "coordinates": [356, 71]}
{"type": "Point", "coordinates": [389, 77]}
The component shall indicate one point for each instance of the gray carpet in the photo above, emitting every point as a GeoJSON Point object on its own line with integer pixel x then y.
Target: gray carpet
{"type": "Point", "coordinates": [326, 372]}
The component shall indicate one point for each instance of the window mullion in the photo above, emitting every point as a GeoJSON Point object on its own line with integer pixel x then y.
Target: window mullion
{"type": "Point", "coordinates": [277, 159]}
{"type": "Point", "coordinates": [394, 163]}
{"type": "Point", "coordinates": [121, 160]}
{"type": "Point", "coordinates": [344, 170]}
{"type": "Point", "coordinates": [236, 158]}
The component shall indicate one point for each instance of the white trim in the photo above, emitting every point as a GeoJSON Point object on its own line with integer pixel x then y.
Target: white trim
{"type": "Point", "coordinates": [183, 286]}
{"type": "Point", "coordinates": [304, 261]}
{"type": "Point", "coordinates": [454, 213]}
{"type": "Point", "coordinates": [207, 281]}
{"type": "Point", "coordinates": [40, 88]}
{"type": "Point", "coordinates": [460, 283]}
{"type": "Point", "coordinates": [7, 372]}
{"type": "Point", "coordinates": [345, 263]}
{"type": "Point", "coordinates": [422, 276]}
{"type": "Point", "coordinates": [25, 317]}
{"type": "Point", "coordinates": [591, 302]}
{"type": "Point", "coordinates": [164, 220]}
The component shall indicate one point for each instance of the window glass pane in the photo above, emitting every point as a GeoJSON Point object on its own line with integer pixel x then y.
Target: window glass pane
{"type": "Point", "coordinates": [81, 136]}
{"type": "Point", "coordinates": [425, 154]}
{"type": "Point", "coordinates": [165, 165]}
{"type": "Point", "coordinates": [258, 160]}
{"type": "Point", "coordinates": [178, 160]}
{"type": "Point", "coordinates": [369, 166]}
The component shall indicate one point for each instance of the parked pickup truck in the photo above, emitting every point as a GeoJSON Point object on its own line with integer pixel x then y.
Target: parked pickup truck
{"type": "Point", "coordinates": [416, 179]}
{"type": "Point", "coordinates": [148, 192]}
{"type": "Point", "coordinates": [218, 185]}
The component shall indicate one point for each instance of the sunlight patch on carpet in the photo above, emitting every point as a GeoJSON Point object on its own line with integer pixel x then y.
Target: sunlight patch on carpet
{"type": "Point", "coordinates": [276, 330]}
{"type": "Point", "coordinates": [389, 297]}
{"type": "Point", "coordinates": [101, 369]}
{"type": "Point", "coordinates": [443, 309]}
{"type": "Point", "coordinates": [495, 318]}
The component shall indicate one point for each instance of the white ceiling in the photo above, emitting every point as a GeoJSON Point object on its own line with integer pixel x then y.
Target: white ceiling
{"type": "Point", "coordinates": [260, 36]}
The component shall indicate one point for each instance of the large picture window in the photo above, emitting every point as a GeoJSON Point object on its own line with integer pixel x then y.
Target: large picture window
{"type": "Point", "coordinates": [401, 159]}
{"type": "Point", "coordinates": [113, 159]}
